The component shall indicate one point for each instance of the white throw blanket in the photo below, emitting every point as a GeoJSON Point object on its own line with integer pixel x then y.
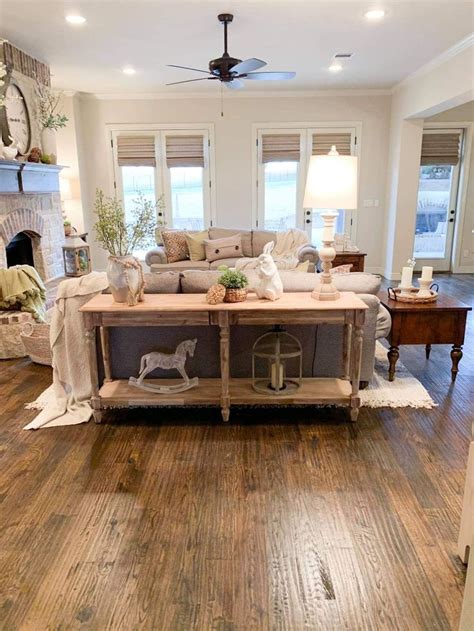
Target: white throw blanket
{"type": "Point", "coordinates": [67, 400]}
{"type": "Point", "coordinates": [285, 252]}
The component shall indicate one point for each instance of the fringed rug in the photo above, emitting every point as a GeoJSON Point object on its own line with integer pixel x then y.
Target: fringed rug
{"type": "Point", "coordinates": [404, 391]}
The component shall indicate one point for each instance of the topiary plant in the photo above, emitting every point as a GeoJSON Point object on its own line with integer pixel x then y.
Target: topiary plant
{"type": "Point", "coordinates": [233, 279]}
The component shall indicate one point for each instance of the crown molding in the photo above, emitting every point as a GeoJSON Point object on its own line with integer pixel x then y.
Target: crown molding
{"type": "Point", "coordinates": [141, 96]}
{"type": "Point", "coordinates": [445, 56]}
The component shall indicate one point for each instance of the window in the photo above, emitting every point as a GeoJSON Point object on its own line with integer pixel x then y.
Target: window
{"type": "Point", "coordinates": [283, 158]}
{"type": "Point", "coordinates": [173, 163]}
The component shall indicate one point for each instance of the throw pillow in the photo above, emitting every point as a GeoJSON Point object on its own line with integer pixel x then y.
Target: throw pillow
{"type": "Point", "coordinates": [195, 243]}
{"type": "Point", "coordinates": [175, 245]}
{"type": "Point", "coordinates": [227, 248]}
{"type": "Point", "coordinates": [341, 269]}
{"type": "Point", "coordinates": [302, 267]}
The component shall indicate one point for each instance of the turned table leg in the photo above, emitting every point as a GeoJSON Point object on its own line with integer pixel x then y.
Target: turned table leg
{"type": "Point", "coordinates": [393, 356]}
{"type": "Point", "coordinates": [456, 355]}
{"type": "Point", "coordinates": [428, 350]}
{"type": "Point", "coordinates": [224, 352]}
{"type": "Point", "coordinates": [356, 355]}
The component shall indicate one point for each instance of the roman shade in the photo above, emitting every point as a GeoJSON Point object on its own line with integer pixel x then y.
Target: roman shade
{"type": "Point", "coordinates": [184, 151]}
{"type": "Point", "coordinates": [440, 148]}
{"type": "Point", "coordinates": [136, 151]}
{"type": "Point", "coordinates": [322, 143]}
{"type": "Point", "coordinates": [280, 148]}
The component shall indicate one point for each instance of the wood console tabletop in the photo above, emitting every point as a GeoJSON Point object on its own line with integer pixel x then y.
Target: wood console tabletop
{"type": "Point", "coordinates": [439, 322]}
{"type": "Point", "coordinates": [192, 309]}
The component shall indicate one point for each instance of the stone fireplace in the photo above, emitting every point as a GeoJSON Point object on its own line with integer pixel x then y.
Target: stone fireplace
{"type": "Point", "coordinates": [31, 228]}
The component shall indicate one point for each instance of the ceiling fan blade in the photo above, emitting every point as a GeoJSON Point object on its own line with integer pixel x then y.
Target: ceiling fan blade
{"type": "Point", "coordinates": [248, 65]}
{"type": "Point", "coordinates": [191, 80]}
{"type": "Point", "coordinates": [270, 76]}
{"type": "Point", "coordinates": [235, 84]}
{"type": "Point", "coordinates": [186, 68]}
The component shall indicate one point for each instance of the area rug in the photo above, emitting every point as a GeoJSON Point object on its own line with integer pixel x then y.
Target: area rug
{"type": "Point", "coordinates": [404, 391]}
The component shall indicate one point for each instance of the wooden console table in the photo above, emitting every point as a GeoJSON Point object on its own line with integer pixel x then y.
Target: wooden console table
{"type": "Point", "coordinates": [193, 310]}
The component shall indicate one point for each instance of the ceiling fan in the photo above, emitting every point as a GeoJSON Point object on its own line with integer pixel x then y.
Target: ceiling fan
{"type": "Point", "coordinates": [229, 70]}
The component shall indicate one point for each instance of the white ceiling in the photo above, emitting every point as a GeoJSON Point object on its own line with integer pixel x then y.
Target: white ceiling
{"type": "Point", "coordinates": [292, 35]}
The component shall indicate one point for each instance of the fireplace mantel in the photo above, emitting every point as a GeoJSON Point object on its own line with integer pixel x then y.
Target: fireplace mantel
{"type": "Point", "coordinates": [28, 177]}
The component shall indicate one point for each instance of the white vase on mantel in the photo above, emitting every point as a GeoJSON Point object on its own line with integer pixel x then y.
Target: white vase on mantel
{"type": "Point", "coordinates": [48, 141]}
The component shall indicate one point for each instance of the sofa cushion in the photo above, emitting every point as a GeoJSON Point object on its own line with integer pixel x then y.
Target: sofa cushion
{"type": "Point", "coordinates": [227, 262]}
{"type": "Point", "coordinates": [175, 245]}
{"type": "Point", "coordinates": [261, 238]}
{"type": "Point", "coordinates": [227, 247]}
{"type": "Point", "coordinates": [220, 233]}
{"type": "Point", "coordinates": [179, 266]}
{"type": "Point", "coordinates": [195, 243]}
{"type": "Point", "coordinates": [162, 283]}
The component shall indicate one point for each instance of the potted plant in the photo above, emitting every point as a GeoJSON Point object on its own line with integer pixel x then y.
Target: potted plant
{"type": "Point", "coordinates": [235, 284]}
{"type": "Point", "coordinates": [50, 119]}
{"type": "Point", "coordinates": [67, 227]}
{"type": "Point", "coordinates": [121, 238]}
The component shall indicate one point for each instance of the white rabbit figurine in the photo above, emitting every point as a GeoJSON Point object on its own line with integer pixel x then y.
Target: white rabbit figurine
{"type": "Point", "coordinates": [269, 283]}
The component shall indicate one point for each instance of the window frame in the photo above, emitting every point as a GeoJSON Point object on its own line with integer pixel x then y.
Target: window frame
{"type": "Point", "coordinates": [306, 131]}
{"type": "Point", "coordinates": [162, 174]}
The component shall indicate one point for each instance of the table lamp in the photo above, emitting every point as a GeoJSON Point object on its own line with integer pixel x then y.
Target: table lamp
{"type": "Point", "coordinates": [331, 184]}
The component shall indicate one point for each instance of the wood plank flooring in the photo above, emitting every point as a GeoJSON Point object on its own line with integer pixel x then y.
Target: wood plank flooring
{"type": "Point", "coordinates": [280, 520]}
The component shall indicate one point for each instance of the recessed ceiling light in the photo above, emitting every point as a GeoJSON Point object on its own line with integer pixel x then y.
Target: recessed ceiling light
{"type": "Point", "coordinates": [375, 14]}
{"type": "Point", "coordinates": [128, 70]}
{"type": "Point", "coordinates": [75, 19]}
{"type": "Point", "coordinates": [335, 67]}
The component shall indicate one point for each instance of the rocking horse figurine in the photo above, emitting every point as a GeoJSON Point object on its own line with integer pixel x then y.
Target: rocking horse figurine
{"type": "Point", "coordinates": [167, 361]}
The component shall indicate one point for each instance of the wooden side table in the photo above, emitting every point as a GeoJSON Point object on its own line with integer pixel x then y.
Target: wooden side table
{"type": "Point", "coordinates": [357, 260]}
{"type": "Point", "coordinates": [440, 322]}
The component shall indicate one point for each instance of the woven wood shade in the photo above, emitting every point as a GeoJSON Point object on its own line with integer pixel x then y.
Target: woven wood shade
{"type": "Point", "coordinates": [322, 143]}
{"type": "Point", "coordinates": [184, 151]}
{"type": "Point", "coordinates": [136, 151]}
{"type": "Point", "coordinates": [280, 148]}
{"type": "Point", "coordinates": [440, 149]}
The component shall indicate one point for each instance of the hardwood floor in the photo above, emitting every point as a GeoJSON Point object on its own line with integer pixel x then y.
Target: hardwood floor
{"type": "Point", "coordinates": [288, 520]}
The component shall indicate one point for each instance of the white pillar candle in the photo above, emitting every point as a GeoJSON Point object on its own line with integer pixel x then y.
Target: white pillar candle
{"type": "Point", "coordinates": [277, 376]}
{"type": "Point", "coordinates": [407, 275]}
{"type": "Point", "coordinates": [426, 273]}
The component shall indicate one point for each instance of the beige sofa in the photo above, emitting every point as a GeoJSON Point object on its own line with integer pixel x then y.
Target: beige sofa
{"type": "Point", "coordinates": [252, 246]}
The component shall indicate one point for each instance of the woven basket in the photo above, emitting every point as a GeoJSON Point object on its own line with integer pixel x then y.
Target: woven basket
{"type": "Point", "coordinates": [35, 338]}
{"type": "Point", "coordinates": [235, 295]}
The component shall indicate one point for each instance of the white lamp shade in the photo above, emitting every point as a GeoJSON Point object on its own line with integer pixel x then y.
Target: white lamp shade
{"type": "Point", "coordinates": [331, 182]}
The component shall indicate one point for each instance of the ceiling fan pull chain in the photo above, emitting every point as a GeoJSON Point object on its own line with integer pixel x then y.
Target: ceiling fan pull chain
{"type": "Point", "coordinates": [222, 100]}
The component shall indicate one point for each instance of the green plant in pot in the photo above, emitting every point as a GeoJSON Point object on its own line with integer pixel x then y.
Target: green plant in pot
{"type": "Point", "coordinates": [67, 227]}
{"type": "Point", "coordinates": [235, 284]}
{"type": "Point", "coordinates": [50, 119]}
{"type": "Point", "coordinates": [121, 237]}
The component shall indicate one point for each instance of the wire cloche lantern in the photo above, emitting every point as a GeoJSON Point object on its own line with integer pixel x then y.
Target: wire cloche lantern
{"type": "Point", "coordinates": [277, 363]}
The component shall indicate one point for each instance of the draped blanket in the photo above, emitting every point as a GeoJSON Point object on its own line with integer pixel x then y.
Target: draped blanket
{"type": "Point", "coordinates": [285, 252]}
{"type": "Point", "coordinates": [22, 288]}
{"type": "Point", "coordinates": [67, 400]}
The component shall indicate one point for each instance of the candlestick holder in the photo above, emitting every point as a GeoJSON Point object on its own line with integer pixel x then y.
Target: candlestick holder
{"type": "Point", "coordinates": [424, 291]}
{"type": "Point", "coordinates": [325, 289]}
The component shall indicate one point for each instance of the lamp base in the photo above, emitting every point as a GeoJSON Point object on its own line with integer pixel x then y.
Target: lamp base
{"type": "Point", "coordinates": [325, 292]}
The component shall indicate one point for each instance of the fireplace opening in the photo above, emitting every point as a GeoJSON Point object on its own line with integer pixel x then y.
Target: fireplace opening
{"type": "Point", "coordinates": [20, 250]}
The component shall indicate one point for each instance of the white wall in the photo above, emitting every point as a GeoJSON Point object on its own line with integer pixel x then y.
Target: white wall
{"type": "Point", "coordinates": [233, 149]}
{"type": "Point", "coordinates": [446, 85]}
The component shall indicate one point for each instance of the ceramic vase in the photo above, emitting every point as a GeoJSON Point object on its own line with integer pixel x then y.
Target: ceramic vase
{"type": "Point", "coordinates": [48, 142]}
{"type": "Point", "coordinates": [125, 276]}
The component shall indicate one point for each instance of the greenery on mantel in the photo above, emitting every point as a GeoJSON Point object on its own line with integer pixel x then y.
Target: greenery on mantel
{"type": "Point", "coordinates": [119, 237]}
{"type": "Point", "coordinates": [3, 72]}
{"type": "Point", "coordinates": [48, 103]}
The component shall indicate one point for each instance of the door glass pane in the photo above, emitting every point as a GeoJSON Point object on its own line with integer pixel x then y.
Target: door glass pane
{"type": "Point", "coordinates": [280, 195]}
{"type": "Point", "coordinates": [318, 224]}
{"type": "Point", "coordinates": [434, 193]}
{"type": "Point", "coordinates": [187, 198]}
{"type": "Point", "coordinates": [136, 180]}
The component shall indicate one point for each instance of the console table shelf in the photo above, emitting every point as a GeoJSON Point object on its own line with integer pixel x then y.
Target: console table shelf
{"type": "Point", "coordinates": [192, 309]}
